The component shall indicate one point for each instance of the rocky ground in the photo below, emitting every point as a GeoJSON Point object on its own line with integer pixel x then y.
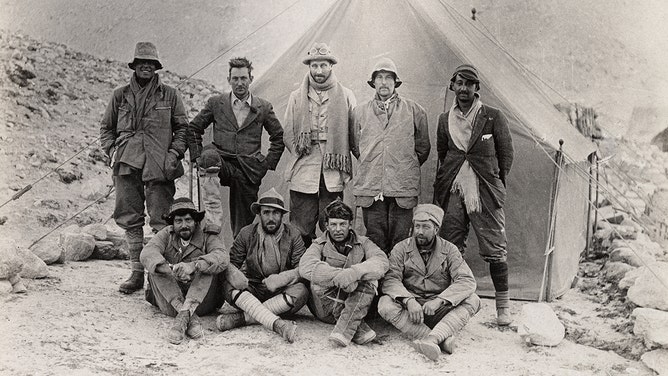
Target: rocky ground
{"type": "Point", "coordinates": [74, 321]}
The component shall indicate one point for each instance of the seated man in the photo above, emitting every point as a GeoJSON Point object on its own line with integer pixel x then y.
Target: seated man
{"type": "Point", "coordinates": [268, 254]}
{"type": "Point", "coordinates": [429, 291]}
{"type": "Point", "coordinates": [184, 260]}
{"type": "Point", "coordinates": [344, 269]}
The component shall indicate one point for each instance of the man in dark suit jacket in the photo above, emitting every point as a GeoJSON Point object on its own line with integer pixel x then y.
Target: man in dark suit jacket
{"type": "Point", "coordinates": [238, 119]}
{"type": "Point", "coordinates": [475, 152]}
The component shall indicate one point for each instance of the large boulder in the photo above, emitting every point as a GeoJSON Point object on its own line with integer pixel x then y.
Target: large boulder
{"type": "Point", "coordinates": [652, 326]}
{"type": "Point", "coordinates": [630, 256]}
{"type": "Point", "coordinates": [49, 252]}
{"type": "Point", "coordinates": [539, 325]}
{"type": "Point", "coordinates": [77, 246]}
{"type": "Point", "coordinates": [33, 266]}
{"type": "Point", "coordinates": [614, 271]}
{"type": "Point", "coordinates": [649, 289]}
{"type": "Point", "coordinates": [104, 250]}
{"type": "Point", "coordinates": [98, 230]}
{"type": "Point", "coordinates": [630, 278]}
{"type": "Point", "coordinates": [119, 243]}
{"type": "Point", "coordinates": [657, 360]}
{"type": "Point", "coordinates": [11, 262]}
{"type": "Point", "coordinates": [611, 215]}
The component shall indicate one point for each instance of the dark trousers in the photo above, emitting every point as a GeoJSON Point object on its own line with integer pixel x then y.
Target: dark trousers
{"type": "Point", "coordinates": [488, 225]}
{"type": "Point", "coordinates": [243, 193]}
{"type": "Point", "coordinates": [203, 292]}
{"type": "Point", "coordinates": [346, 310]}
{"type": "Point", "coordinates": [132, 192]}
{"type": "Point", "coordinates": [387, 223]}
{"type": "Point", "coordinates": [297, 291]}
{"type": "Point", "coordinates": [307, 209]}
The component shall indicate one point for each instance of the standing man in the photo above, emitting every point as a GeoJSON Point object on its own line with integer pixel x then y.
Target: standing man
{"type": "Point", "coordinates": [238, 119]}
{"type": "Point", "coordinates": [143, 132]}
{"type": "Point", "coordinates": [268, 253]}
{"type": "Point", "coordinates": [391, 142]}
{"type": "Point", "coordinates": [318, 121]}
{"type": "Point", "coordinates": [344, 269]}
{"type": "Point", "coordinates": [475, 153]}
{"type": "Point", "coordinates": [430, 290]}
{"type": "Point", "coordinates": [185, 261]}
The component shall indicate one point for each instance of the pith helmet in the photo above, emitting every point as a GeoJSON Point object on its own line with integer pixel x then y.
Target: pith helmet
{"type": "Point", "coordinates": [145, 51]}
{"type": "Point", "coordinates": [385, 65]}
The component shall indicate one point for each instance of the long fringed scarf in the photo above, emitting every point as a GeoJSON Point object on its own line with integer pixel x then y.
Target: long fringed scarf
{"type": "Point", "coordinates": [269, 254]}
{"type": "Point", "coordinates": [466, 182]}
{"type": "Point", "coordinates": [337, 149]}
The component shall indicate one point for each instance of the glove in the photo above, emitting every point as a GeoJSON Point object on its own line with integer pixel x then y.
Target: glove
{"type": "Point", "coordinates": [183, 271]}
{"type": "Point", "coordinates": [345, 277]}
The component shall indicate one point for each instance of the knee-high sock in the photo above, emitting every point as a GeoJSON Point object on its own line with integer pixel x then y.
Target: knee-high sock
{"type": "Point", "coordinates": [499, 274]}
{"type": "Point", "coordinates": [409, 328]}
{"type": "Point", "coordinates": [135, 239]}
{"type": "Point", "coordinates": [453, 322]}
{"type": "Point", "coordinates": [253, 309]}
{"type": "Point", "coordinates": [277, 305]}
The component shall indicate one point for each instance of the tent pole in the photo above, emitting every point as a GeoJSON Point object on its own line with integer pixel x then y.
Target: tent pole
{"type": "Point", "coordinates": [546, 283]}
{"type": "Point", "coordinates": [593, 184]}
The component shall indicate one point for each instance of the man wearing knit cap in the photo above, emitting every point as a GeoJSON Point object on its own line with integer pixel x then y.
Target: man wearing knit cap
{"type": "Point", "coordinates": [317, 123]}
{"type": "Point", "coordinates": [239, 118]}
{"type": "Point", "coordinates": [391, 142]}
{"type": "Point", "coordinates": [143, 132]}
{"type": "Point", "coordinates": [344, 269]}
{"type": "Point", "coordinates": [268, 254]}
{"type": "Point", "coordinates": [475, 153]}
{"type": "Point", "coordinates": [429, 291]}
{"type": "Point", "coordinates": [186, 262]}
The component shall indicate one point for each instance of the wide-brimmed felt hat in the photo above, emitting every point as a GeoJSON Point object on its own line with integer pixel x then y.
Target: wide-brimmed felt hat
{"type": "Point", "coordinates": [468, 72]}
{"type": "Point", "coordinates": [428, 212]}
{"type": "Point", "coordinates": [319, 51]}
{"type": "Point", "coordinates": [183, 206]}
{"type": "Point", "coordinates": [385, 65]}
{"type": "Point", "coordinates": [145, 51]}
{"type": "Point", "coordinates": [269, 198]}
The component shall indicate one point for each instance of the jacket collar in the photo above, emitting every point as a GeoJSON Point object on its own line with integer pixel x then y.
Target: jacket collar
{"type": "Point", "coordinates": [228, 112]}
{"type": "Point", "coordinates": [435, 261]}
{"type": "Point", "coordinates": [196, 241]}
{"type": "Point", "coordinates": [478, 125]}
{"type": "Point", "coordinates": [329, 249]}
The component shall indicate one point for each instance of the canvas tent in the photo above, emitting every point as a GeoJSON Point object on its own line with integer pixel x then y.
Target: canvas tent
{"type": "Point", "coordinates": [427, 40]}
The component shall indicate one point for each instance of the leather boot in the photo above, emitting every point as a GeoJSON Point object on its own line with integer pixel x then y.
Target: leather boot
{"type": "Point", "coordinates": [228, 321]}
{"type": "Point", "coordinates": [428, 347]}
{"type": "Point", "coordinates": [177, 333]}
{"type": "Point", "coordinates": [364, 334]}
{"type": "Point", "coordinates": [135, 239]}
{"type": "Point", "coordinates": [448, 346]}
{"type": "Point", "coordinates": [133, 283]}
{"type": "Point", "coordinates": [286, 329]}
{"type": "Point", "coordinates": [195, 329]}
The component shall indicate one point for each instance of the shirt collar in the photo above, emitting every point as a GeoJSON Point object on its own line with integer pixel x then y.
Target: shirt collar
{"type": "Point", "coordinates": [476, 99]}
{"type": "Point", "coordinates": [234, 99]}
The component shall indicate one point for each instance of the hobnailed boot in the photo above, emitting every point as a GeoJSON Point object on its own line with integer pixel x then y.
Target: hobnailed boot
{"type": "Point", "coordinates": [135, 239]}
{"type": "Point", "coordinates": [448, 346]}
{"type": "Point", "coordinates": [428, 347]}
{"type": "Point", "coordinates": [177, 333]}
{"type": "Point", "coordinates": [195, 329]}
{"type": "Point", "coordinates": [133, 283]}
{"type": "Point", "coordinates": [364, 334]}
{"type": "Point", "coordinates": [503, 317]}
{"type": "Point", "coordinates": [286, 329]}
{"type": "Point", "coordinates": [228, 321]}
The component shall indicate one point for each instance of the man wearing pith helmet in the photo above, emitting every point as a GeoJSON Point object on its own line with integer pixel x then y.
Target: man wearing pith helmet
{"type": "Point", "coordinates": [475, 153]}
{"type": "Point", "coordinates": [268, 253]}
{"type": "Point", "coordinates": [429, 289]}
{"type": "Point", "coordinates": [143, 132]}
{"type": "Point", "coordinates": [318, 123]}
{"type": "Point", "coordinates": [391, 142]}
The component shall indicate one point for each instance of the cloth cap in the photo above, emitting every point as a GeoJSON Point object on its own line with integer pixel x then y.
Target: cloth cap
{"type": "Point", "coordinates": [428, 212]}
{"type": "Point", "coordinates": [385, 65]}
{"type": "Point", "coordinates": [269, 198]}
{"type": "Point", "coordinates": [145, 51]}
{"type": "Point", "coordinates": [210, 159]}
{"type": "Point", "coordinates": [320, 51]}
{"type": "Point", "coordinates": [183, 206]}
{"type": "Point", "coordinates": [468, 72]}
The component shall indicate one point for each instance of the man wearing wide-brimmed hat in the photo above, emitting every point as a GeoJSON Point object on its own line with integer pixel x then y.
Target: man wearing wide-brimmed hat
{"type": "Point", "coordinates": [143, 132]}
{"type": "Point", "coordinates": [391, 142]}
{"type": "Point", "coordinates": [185, 261]}
{"type": "Point", "coordinates": [429, 291]}
{"type": "Point", "coordinates": [318, 123]}
{"type": "Point", "coordinates": [268, 253]}
{"type": "Point", "coordinates": [475, 153]}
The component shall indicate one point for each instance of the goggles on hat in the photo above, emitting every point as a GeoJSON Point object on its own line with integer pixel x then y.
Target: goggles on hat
{"type": "Point", "coordinates": [319, 51]}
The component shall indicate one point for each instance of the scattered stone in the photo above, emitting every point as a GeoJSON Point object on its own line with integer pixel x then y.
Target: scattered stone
{"type": "Point", "coordinates": [67, 177]}
{"type": "Point", "coordinates": [49, 252]}
{"type": "Point", "coordinates": [33, 266]}
{"type": "Point", "coordinates": [614, 271]}
{"type": "Point", "coordinates": [627, 256]}
{"type": "Point", "coordinates": [104, 250]}
{"type": "Point", "coordinates": [48, 219]}
{"type": "Point", "coordinates": [652, 325]}
{"type": "Point", "coordinates": [649, 289]}
{"type": "Point", "coordinates": [77, 246]}
{"type": "Point", "coordinates": [98, 230]}
{"type": "Point", "coordinates": [17, 285]}
{"type": "Point", "coordinates": [10, 262]}
{"type": "Point", "coordinates": [20, 76]}
{"type": "Point", "coordinates": [5, 287]}
{"type": "Point", "coordinates": [539, 325]}
{"type": "Point", "coordinates": [630, 278]}
{"type": "Point", "coordinates": [657, 360]}
{"type": "Point", "coordinates": [3, 220]}
{"type": "Point", "coordinates": [624, 232]}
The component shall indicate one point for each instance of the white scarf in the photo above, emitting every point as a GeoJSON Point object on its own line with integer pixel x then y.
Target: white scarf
{"type": "Point", "coordinates": [466, 182]}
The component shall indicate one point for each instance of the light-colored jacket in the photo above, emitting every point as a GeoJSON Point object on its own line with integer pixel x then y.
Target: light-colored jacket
{"type": "Point", "coordinates": [446, 275]}
{"type": "Point", "coordinates": [303, 174]}
{"type": "Point", "coordinates": [390, 151]}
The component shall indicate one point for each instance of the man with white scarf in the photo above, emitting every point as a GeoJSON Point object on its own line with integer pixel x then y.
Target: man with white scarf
{"type": "Point", "coordinates": [318, 123]}
{"type": "Point", "coordinates": [475, 153]}
{"type": "Point", "coordinates": [268, 254]}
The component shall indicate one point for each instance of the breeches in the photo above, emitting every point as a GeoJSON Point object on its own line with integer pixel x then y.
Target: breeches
{"type": "Point", "coordinates": [203, 291]}
{"type": "Point", "coordinates": [132, 192]}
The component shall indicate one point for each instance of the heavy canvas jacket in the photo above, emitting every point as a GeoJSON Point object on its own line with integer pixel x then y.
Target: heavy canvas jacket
{"type": "Point", "coordinates": [390, 152]}
{"type": "Point", "coordinates": [322, 262]}
{"type": "Point", "coordinates": [205, 244]}
{"type": "Point", "coordinates": [446, 275]}
{"type": "Point", "coordinates": [244, 142]}
{"type": "Point", "coordinates": [490, 154]}
{"type": "Point", "coordinates": [244, 253]}
{"type": "Point", "coordinates": [162, 127]}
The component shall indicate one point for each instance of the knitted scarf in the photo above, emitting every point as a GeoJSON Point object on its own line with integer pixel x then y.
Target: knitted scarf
{"type": "Point", "coordinates": [140, 96]}
{"type": "Point", "coordinates": [269, 254]}
{"type": "Point", "coordinates": [337, 149]}
{"type": "Point", "coordinates": [466, 182]}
